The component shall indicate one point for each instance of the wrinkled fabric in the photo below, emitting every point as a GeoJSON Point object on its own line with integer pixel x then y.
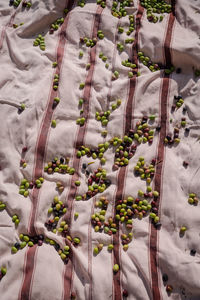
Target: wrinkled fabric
{"type": "Point", "coordinates": [26, 76]}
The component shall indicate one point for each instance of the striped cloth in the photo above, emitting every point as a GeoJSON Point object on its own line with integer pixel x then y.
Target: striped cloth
{"type": "Point", "coordinates": [26, 76]}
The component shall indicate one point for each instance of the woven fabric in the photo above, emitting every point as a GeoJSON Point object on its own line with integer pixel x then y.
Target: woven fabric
{"type": "Point", "coordinates": [28, 78]}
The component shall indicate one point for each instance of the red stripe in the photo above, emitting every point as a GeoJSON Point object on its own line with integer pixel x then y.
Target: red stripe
{"type": "Point", "coordinates": [92, 209]}
{"type": "Point", "coordinates": [117, 276]}
{"type": "Point", "coordinates": [38, 171]}
{"type": "Point", "coordinates": [122, 171]}
{"type": "Point", "coordinates": [28, 271]}
{"type": "Point", "coordinates": [42, 140]}
{"type": "Point", "coordinates": [78, 143]}
{"type": "Point", "coordinates": [90, 254]}
{"type": "Point", "coordinates": [113, 63]}
{"type": "Point", "coordinates": [160, 155]}
{"type": "Point", "coordinates": [129, 108]}
{"type": "Point", "coordinates": [82, 129]}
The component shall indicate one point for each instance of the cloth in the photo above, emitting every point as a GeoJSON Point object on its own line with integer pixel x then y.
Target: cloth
{"type": "Point", "coordinates": [26, 77]}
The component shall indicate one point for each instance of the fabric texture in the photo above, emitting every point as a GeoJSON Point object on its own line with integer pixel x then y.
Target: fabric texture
{"type": "Point", "coordinates": [28, 136]}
